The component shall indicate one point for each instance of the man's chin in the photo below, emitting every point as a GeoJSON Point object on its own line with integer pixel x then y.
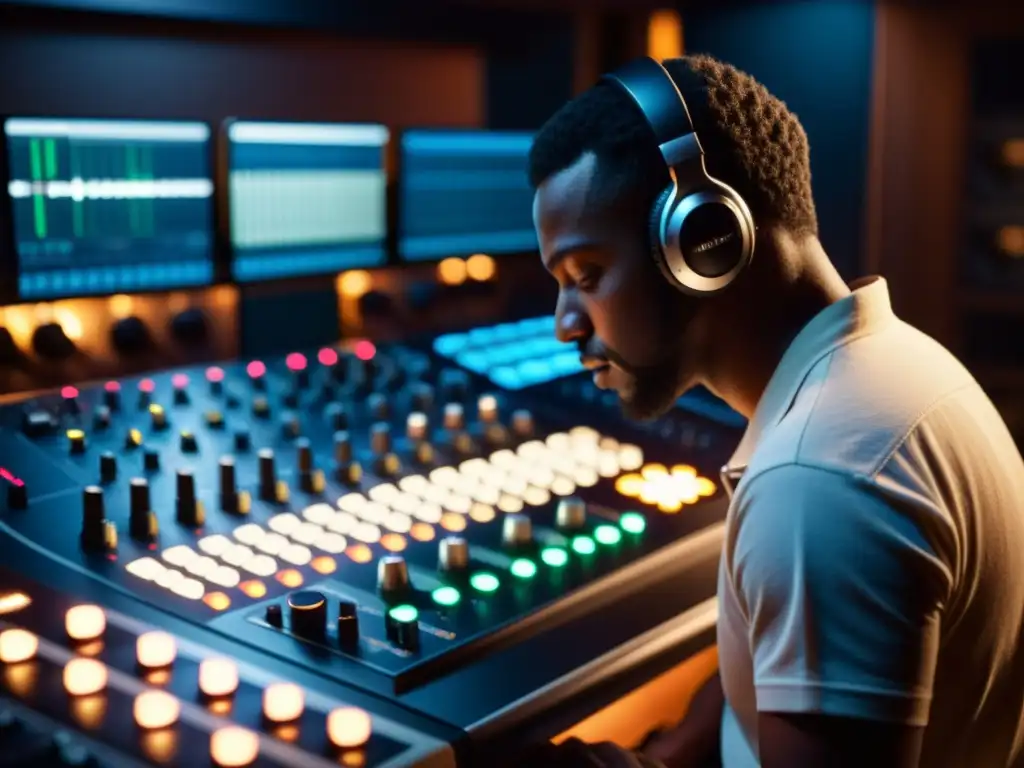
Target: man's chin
{"type": "Point", "coordinates": [645, 409]}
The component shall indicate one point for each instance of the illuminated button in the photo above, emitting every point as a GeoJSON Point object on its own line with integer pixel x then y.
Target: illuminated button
{"type": "Point", "coordinates": [13, 602]}
{"type": "Point", "coordinates": [484, 582]}
{"type": "Point", "coordinates": [155, 709]}
{"type": "Point", "coordinates": [85, 622]}
{"type": "Point", "coordinates": [446, 596]}
{"type": "Point", "coordinates": [214, 419]}
{"type": "Point", "coordinates": [403, 627]}
{"type": "Point", "coordinates": [155, 650]}
{"type": "Point", "coordinates": [218, 677]}
{"type": "Point", "coordinates": [633, 522]}
{"type": "Point", "coordinates": [487, 408]}
{"type": "Point", "coordinates": [157, 416]}
{"type": "Point", "coordinates": [133, 438]}
{"type": "Point", "coordinates": [234, 747]}
{"type": "Point", "coordinates": [283, 702]}
{"type": "Point", "coordinates": [554, 557]}
{"type": "Point", "coordinates": [522, 568]}
{"type": "Point", "coordinates": [17, 645]}
{"type": "Point", "coordinates": [584, 545]}
{"type": "Point", "coordinates": [84, 677]}
{"type": "Point", "coordinates": [348, 727]}
{"type": "Point", "coordinates": [76, 441]}
{"type": "Point", "coordinates": [608, 535]}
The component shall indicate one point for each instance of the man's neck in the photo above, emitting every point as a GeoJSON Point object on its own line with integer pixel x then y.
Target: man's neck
{"type": "Point", "coordinates": [756, 326]}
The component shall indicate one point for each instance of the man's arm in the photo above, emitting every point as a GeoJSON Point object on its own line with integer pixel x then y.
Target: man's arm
{"type": "Point", "coordinates": [695, 741]}
{"type": "Point", "coordinates": [843, 595]}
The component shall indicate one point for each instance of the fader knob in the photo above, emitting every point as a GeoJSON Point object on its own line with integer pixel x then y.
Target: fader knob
{"type": "Point", "coordinates": [416, 426]}
{"type": "Point", "coordinates": [517, 531]}
{"type": "Point", "coordinates": [311, 480]}
{"type": "Point", "coordinates": [342, 447]}
{"type": "Point", "coordinates": [268, 474]}
{"type": "Point", "coordinates": [76, 441]}
{"type": "Point", "coordinates": [403, 627]}
{"type": "Point", "coordinates": [454, 384]}
{"type": "Point", "coordinates": [348, 624]}
{"type": "Point", "coordinates": [453, 554]}
{"type": "Point", "coordinates": [190, 509]}
{"type": "Point", "coordinates": [337, 416]}
{"type": "Point", "coordinates": [380, 438]}
{"type": "Point", "coordinates": [308, 613]}
{"type": "Point", "coordinates": [487, 409]}
{"type": "Point", "coordinates": [454, 419]}
{"type": "Point", "coordinates": [142, 523]}
{"type": "Point", "coordinates": [108, 467]}
{"type": "Point", "coordinates": [522, 423]}
{"type": "Point", "coordinates": [571, 514]}
{"type": "Point", "coordinates": [97, 533]}
{"type": "Point", "coordinates": [101, 417]}
{"type": "Point", "coordinates": [228, 484]}
{"type": "Point", "coordinates": [422, 398]}
{"type": "Point", "coordinates": [17, 495]}
{"type": "Point", "coordinates": [112, 396]}
{"type": "Point", "coordinates": [377, 405]}
{"type": "Point", "coordinates": [392, 575]}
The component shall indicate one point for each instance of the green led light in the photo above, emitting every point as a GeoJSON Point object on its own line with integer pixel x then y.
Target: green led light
{"type": "Point", "coordinates": [484, 582]}
{"type": "Point", "coordinates": [632, 522]}
{"type": "Point", "coordinates": [404, 613]}
{"type": "Point", "coordinates": [584, 545]}
{"type": "Point", "coordinates": [446, 596]}
{"type": "Point", "coordinates": [554, 557]}
{"type": "Point", "coordinates": [607, 535]}
{"type": "Point", "coordinates": [523, 568]}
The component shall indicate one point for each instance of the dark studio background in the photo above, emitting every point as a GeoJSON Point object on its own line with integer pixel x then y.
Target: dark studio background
{"type": "Point", "coordinates": [903, 103]}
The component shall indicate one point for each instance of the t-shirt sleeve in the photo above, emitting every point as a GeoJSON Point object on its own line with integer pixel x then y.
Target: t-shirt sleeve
{"type": "Point", "coordinates": [842, 593]}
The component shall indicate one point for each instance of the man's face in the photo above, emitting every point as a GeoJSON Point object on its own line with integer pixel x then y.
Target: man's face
{"type": "Point", "coordinates": [630, 324]}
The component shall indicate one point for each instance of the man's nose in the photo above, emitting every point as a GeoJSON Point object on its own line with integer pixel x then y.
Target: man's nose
{"type": "Point", "coordinates": [571, 324]}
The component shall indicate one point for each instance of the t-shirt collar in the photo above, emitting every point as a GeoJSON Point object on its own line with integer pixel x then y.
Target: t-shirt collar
{"type": "Point", "coordinates": [866, 309]}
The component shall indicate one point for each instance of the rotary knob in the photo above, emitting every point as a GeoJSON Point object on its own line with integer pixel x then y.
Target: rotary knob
{"type": "Point", "coordinates": [453, 554]}
{"type": "Point", "coordinates": [571, 514]}
{"type": "Point", "coordinates": [392, 575]}
{"type": "Point", "coordinates": [517, 531]}
{"type": "Point", "coordinates": [308, 613]}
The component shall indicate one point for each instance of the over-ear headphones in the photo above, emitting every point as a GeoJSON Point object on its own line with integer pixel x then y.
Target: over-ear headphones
{"type": "Point", "coordinates": [702, 232]}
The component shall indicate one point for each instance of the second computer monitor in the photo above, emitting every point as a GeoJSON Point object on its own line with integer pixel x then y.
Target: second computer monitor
{"type": "Point", "coordinates": [464, 192]}
{"type": "Point", "coordinates": [306, 198]}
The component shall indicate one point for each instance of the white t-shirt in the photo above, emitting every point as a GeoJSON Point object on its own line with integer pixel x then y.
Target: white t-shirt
{"type": "Point", "coordinates": [873, 563]}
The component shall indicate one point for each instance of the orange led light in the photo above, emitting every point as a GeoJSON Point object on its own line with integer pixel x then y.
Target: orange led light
{"type": "Point", "coordinates": [393, 542]}
{"type": "Point", "coordinates": [422, 532]}
{"type": "Point", "coordinates": [668, 490]}
{"type": "Point", "coordinates": [324, 565]}
{"type": "Point", "coordinates": [359, 553]}
{"type": "Point", "coordinates": [218, 601]}
{"type": "Point", "coordinates": [453, 522]}
{"type": "Point", "coordinates": [253, 589]}
{"type": "Point", "coordinates": [290, 578]}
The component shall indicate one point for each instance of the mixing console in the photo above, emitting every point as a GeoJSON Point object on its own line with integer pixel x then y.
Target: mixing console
{"type": "Point", "coordinates": [385, 530]}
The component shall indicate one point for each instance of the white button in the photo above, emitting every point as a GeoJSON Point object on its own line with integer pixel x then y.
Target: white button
{"type": "Point", "coordinates": [17, 645]}
{"type": "Point", "coordinates": [283, 702]}
{"type": "Point", "coordinates": [84, 677]}
{"type": "Point", "coordinates": [218, 677]}
{"type": "Point", "coordinates": [234, 747]}
{"type": "Point", "coordinates": [85, 622]}
{"type": "Point", "coordinates": [348, 727]}
{"type": "Point", "coordinates": [156, 709]}
{"type": "Point", "coordinates": [155, 650]}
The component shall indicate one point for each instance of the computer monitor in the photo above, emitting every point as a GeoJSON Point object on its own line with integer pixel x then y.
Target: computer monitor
{"type": "Point", "coordinates": [306, 198]}
{"type": "Point", "coordinates": [464, 192]}
{"type": "Point", "coordinates": [107, 206]}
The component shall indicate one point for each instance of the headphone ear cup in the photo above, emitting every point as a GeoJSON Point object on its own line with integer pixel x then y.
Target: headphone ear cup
{"type": "Point", "coordinates": [657, 247]}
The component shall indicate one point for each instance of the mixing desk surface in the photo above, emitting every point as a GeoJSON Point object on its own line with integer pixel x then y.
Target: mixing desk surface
{"type": "Point", "coordinates": [355, 555]}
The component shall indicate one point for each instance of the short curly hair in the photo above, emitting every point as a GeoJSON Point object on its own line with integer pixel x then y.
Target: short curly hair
{"type": "Point", "coordinates": [751, 140]}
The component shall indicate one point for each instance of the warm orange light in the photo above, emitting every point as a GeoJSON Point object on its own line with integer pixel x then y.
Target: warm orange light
{"type": "Point", "coordinates": [69, 322]}
{"type": "Point", "coordinates": [120, 306]}
{"type": "Point", "coordinates": [290, 578]}
{"type": "Point", "coordinates": [393, 542]}
{"type": "Point", "coordinates": [254, 589]}
{"type": "Point", "coordinates": [668, 490]}
{"type": "Point", "coordinates": [1013, 153]}
{"type": "Point", "coordinates": [453, 522]}
{"type": "Point", "coordinates": [664, 35]}
{"type": "Point", "coordinates": [218, 601]}
{"type": "Point", "coordinates": [359, 553]}
{"type": "Point", "coordinates": [451, 271]}
{"type": "Point", "coordinates": [480, 267]}
{"type": "Point", "coordinates": [354, 284]}
{"type": "Point", "coordinates": [422, 532]}
{"type": "Point", "coordinates": [324, 565]}
{"type": "Point", "coordinates": [1011, 241]}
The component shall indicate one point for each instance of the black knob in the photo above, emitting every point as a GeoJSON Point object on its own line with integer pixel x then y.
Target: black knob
{"type": "Point", "coordinates": [228, 489]}
{"type": "Point", "coordinates": [130, 336]}
{"type": "Point", "coordinates": [337, 416]}
{"type": "Point", "coordinates": [274, 616]}
{"type": "Point", "coordinates": [377, 405]}
{"type": "Point", "coordinates": [380, 438]}
{"type": "Point", "coordinates": [142, 523]}
{"type": "Point", "coordinates": [151, 460]}
{"type": "Point", "coordinates": [348, 624]}
{"type": "Point", "coordinates": [307, 611]}
{"type": "Point", "coordinates": [188, 442]}
{"type": "Point", "coordinates": [112, 396]}
{"type": "Point", "coordinates": [9, 352]}
{"type": "Point", "coordinates": [342, 447]}
{"type": "Point", "coordinates": [310, 479]}
{"type": "Point", "coordinates": [268, 475]}
{"type": "Point", "coordinates": [403, 627]}
{"type": "Point", "coordinates": [108, 467]}
{"type": "Point", "coordinates": [94, 518]}
{"type": "Point", "coordinates": [101, 417]}
{"type": "Point", "coordinates": [50, 342]}
{"type": "Point", "coordinates": [76, 441]}
{"type": "Point", "coordinates": [454, 384]}
{"type": "Point", "coordinates": [242, 440]}
{"type": "Point", "coordinates": [422, 396]}
{"type": "Point", "coordinates": [189, 327]}
{"type": "Point", "coordinates": [190, 509]}
{"type": "Point", "coordinates": [180, 396]}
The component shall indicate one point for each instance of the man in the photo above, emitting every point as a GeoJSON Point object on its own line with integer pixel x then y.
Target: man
{"type": "Point", "coordinates": [871, 590]}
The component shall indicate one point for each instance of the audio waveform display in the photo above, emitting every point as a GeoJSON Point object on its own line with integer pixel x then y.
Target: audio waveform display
{"type": "Point", "coordinates": [103, 206]}
{"type": "Point", "coordinates": [464, 192]}
{"type": "Point", "coordinates": [306, 198]}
